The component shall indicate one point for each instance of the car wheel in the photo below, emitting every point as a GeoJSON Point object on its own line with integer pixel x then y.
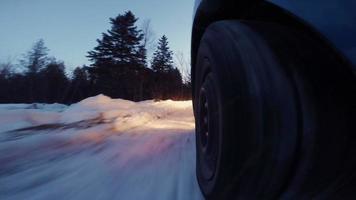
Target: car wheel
{"type": "Point", "coordinates": [260, 123]}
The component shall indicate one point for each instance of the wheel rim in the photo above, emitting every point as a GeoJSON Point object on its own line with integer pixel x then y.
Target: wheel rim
{"type": "Point", "coordinates": [208, 130]}
{"type": "Point", "coordinates": [204, 120]}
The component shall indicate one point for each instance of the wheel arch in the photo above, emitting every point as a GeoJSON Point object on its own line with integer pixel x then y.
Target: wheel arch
{"type": "Point", "coordinates": [209, 12]}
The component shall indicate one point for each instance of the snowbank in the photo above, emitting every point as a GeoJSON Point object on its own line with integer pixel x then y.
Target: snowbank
{"type": "Point", "coordinates": [99, 148]}
{"type": "Point", "coordinates": [127, 114]}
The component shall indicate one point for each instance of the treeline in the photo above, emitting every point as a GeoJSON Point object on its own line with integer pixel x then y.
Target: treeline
{"type": "Point", "coordinates": [119, 68]}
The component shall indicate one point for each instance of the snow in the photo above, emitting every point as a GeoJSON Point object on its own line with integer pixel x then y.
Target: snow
{"type": "Point", "coordinates": [99, 148]}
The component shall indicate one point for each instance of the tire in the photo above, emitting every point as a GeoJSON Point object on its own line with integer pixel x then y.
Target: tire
{"type": "Point", "coordinates": [266, 118]}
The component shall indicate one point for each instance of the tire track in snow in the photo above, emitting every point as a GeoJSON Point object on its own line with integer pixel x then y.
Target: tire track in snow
{"type": "Point", "coordinates": [149, 159]}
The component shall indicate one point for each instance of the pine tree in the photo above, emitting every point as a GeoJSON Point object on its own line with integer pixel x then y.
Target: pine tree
{"type": "Point", "coordinates": [56, 82]}
{"type": "Point", "coordinates": [79, 84]}
{"type": "Point", "coordinates": [80, 74]}
{"type": "Point", "coordinates": [168, 78]}
{"type": "Point", "coordinates": [118, 58]}
{"type": "Point", "coordinates": [121, 45]}
{"type": "Point", "coordinates": [162, 57]}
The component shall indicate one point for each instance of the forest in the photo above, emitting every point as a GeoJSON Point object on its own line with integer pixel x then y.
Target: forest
{"type": "Point", "coordinates": [120, 68]}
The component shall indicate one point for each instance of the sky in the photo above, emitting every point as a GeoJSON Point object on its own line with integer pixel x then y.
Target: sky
{"type": "Point", "coordinates": [70, 28]}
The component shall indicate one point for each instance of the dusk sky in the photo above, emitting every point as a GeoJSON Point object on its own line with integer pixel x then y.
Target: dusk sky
{"type": "Point", "coordinates": [70, 27]}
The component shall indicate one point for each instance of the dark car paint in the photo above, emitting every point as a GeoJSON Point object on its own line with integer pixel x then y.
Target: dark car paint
{"type": "Point", "coordinates": [332, 23]}
{"type": "Point", "coordinates": [336, 20]}
{"type": "Point", "coordinates": [333, 20]}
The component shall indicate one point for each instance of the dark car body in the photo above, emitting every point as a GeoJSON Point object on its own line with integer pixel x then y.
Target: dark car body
{"type": "Point", "coordinates": [244, 54]}
{"type": "Point", "coordinates": [331, 22]}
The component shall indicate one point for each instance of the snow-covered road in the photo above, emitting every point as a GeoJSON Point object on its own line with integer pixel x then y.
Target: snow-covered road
{"type": "Point", "coordinates": [100, 148]}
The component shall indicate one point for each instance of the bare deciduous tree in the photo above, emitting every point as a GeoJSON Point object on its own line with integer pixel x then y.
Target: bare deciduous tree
{"type": "Point", "coordinates": [6, 69]}
{"type": "Point", "coordinates": [36, 58]}
{"type": "Point", "coordinates": [148, 34]}
{"type": "Point", "coordinates": [184, 66]}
